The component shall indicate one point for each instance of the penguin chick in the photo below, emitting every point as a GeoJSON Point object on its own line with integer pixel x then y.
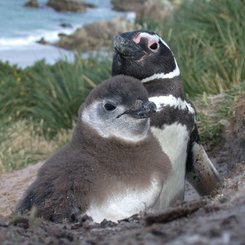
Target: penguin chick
{"type": "Point", "coordinates": [112, 168]}
{"type": "Point", "coordinates": [146, 56]}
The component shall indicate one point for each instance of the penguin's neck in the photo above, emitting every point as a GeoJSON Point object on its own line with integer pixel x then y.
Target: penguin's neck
{"type": "Point", "coordinates": [172, 105]}
{"type": "Point", "coordinates": [117, 151]}
{"type": "Point", "coordinates": [165, 86]}
{"type": "Point", "coordinates": [86, 135]}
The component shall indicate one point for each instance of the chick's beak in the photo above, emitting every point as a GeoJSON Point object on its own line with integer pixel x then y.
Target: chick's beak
{"type": "Point", "coordinates": [145, 111]}
{"type": "Point", "coordinates": [141, 109]}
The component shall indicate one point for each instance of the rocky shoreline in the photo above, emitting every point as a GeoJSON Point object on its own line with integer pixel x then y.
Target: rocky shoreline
{"type": "Point", "coordinates": [94, 36]}
{"type": "Point", "coordinates": [63, 5]}
{"type": "Point", "coordinates": [138, 6]}
{"type": "Point", "coordinates": [99, 34]}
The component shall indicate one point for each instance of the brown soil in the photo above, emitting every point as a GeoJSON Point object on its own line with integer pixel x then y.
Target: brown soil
{"type": "Point", "coordinates": [13, 185]}
{"type": "Point", "coordinates": [219, 219]}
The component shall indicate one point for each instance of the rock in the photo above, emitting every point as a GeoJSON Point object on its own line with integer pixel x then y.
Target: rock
{"type": "Point", "coordinates": [69, 5]}
{"type": "Point", "coordinates": [127, 5]}
{"type": "Point", "coordinates": [96, 35]}
{"type": "Point", "coordinates": [155, 10]}
{"type": "Point", "coordinates": [43, 41]}
{"type": "Point", "coordinates": [32, 4]}
{"type": "Point", "coordinates": [66, 25]}
{"type": "Point", "coordinates": [148, 9]}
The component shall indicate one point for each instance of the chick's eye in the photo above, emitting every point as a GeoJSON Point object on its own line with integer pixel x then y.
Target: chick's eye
{"type": "Point", "coordinates": [109, 107]}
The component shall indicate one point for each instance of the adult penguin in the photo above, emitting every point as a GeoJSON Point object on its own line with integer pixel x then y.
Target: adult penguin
{"type": "Point", "coordinates": [107, 171]}
{"type": "Point", "coordinates": [146, 56]}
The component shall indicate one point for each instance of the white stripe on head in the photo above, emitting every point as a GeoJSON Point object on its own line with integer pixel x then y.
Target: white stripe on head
{"type": "Point", "coordinates": [176, 70]}
{"type": "Point", "coordinates": [172, 74]}
{"type": "Point", "coordinates": [164, 42]}
{"type": "Point", "coordinates": [146, 35]}
{"type": "Point", "coordinates": [170, 100]}
{"type": "Point", "coordinates": [153, 36]}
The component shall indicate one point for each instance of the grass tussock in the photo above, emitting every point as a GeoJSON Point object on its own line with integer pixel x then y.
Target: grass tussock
{"type": "Point", "coordinates": [213, 111]}
{"type": "Point", "coordinates": [207, 38]}
{"type": "Point", "coordinates": [50, 95]}
{"type": "Point", "coordinates": [21, 145]}
{"type": "Point", "coordinates": [39, 107]}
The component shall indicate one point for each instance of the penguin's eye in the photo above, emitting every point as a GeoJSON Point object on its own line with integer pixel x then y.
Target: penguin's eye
{"type": "Point", "coordinates": [109, 107]}
{"type": "Point", "coordinates": [153, 46]}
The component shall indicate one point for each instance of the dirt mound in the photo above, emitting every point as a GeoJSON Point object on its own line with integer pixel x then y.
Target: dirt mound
{"type": "Point", "coordinates": [13, 185]}
{"type": "Point", "coordinates": [218, 220]}
{"type": "Point", "coordinates": [235, 133]}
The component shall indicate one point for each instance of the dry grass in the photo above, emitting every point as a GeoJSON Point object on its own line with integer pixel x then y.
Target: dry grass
{"type": "Point", "coordinates": [21, 146]}
{"type": "Point", "coordinates": [213, 112]}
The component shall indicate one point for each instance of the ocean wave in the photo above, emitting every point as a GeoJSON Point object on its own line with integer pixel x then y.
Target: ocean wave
{"type": "Point", "coordinates": [26, 39]}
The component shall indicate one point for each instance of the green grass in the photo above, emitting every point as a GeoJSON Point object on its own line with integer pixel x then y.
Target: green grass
{"type": "Point", "coordinates": [39, 106]}
{"type": "Point", "coordinates": [50, 95]}
{"type": "Point", "coordinates": [207, 38]}
{"type": "Point", "coordinates": [21, 145]}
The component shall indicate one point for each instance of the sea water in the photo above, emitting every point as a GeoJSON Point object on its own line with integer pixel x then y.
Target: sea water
{"type": "Point", "coordinates": [21, 27]}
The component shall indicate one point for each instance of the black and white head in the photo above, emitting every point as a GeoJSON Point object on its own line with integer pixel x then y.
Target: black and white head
{"type": "Point", "coordinates": [119, 108]}
{"type": "Point", "coordinates": [144, 55]}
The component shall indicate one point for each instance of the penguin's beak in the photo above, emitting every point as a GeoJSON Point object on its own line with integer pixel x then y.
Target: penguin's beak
{"type": "Point", "coordinates": [127, 48]}
{"type": "Point", "coordinates": [141, 110]}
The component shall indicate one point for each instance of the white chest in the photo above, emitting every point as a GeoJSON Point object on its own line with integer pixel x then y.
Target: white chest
{"type": "Point", "coordinates": [173, 140]}
{"type": "Point", "coordinates": [126, 202]}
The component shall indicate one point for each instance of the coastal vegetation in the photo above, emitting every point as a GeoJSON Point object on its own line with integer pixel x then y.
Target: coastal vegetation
{"type": "Point", "coordinates": [39, 104]}
{"type": "Point", "coordinates": [207, 39]}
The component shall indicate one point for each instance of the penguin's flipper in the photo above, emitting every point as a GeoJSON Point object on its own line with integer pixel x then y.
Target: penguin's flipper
{"type": "Point", "coordinates": [200, 172]}
{"type": "Point", "coordinates": [53, 202]}
{"type": "Point", "coordinates": [34, 196]}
